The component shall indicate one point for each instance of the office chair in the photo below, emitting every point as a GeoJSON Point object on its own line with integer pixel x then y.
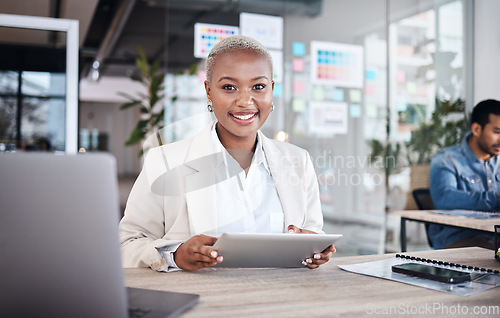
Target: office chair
{"type": "Point", "coordinates": [423, 200]}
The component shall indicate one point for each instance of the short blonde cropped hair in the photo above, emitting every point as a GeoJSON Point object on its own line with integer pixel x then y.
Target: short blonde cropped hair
{"type": "Point", "coordinates": [236, 43]}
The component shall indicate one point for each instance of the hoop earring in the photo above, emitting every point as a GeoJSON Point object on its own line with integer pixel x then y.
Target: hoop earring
{"type": "Point", "coordinates": [210, 108]}
{"type": "Point", "coordinates": [272, 107]}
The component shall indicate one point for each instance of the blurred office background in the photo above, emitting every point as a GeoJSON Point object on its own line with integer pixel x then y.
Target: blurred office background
{"type": "Point", "coordinates": [354, 80]}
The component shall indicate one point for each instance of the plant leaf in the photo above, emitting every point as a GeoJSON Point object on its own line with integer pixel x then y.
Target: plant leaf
{"type": "Point", "coordinates": [137, 78]}
{"type": "Point", "coordinates": [153, 100]}
{"type": "Point", "coordinates": [156, 83]}
{"type": "Point", "coordinates": [142, 62]}
{"type": "Point", "coordinates": [135, 137]}
{"type": "Point", "coordinates": [141, 153]}
{"type": "Point", "coordinates": [142, 96]}
{"type": "Point", "coordinates": [131, 104]}
{"type": "Point", "coordinates": [142, 124]}
{"type": "Point", "coordinates": [154, 68]}
{"type": "Point", "coordinates": [193, 69]}
{"type": "Point", "coordinates": [159, 117]}
{"type": "Point", "coordinates": [127, 96]}
{"type": "Point", "coordinates": [142, 54]}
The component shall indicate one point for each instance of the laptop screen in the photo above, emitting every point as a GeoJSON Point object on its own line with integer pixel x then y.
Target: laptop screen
{"type": "Point", "coordinates": [59, 236]}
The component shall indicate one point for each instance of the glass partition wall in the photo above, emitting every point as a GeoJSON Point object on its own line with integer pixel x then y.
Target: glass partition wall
{"type": "Point", "coordinates": [354, 79]}
{"type": "Point", "coordinates": [38, 83]}
{"type": "Point", "coordinates": [343, 102]}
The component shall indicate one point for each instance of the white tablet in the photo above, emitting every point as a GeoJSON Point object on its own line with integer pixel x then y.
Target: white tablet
{"type": "Point", "coordinates": [270, 250]}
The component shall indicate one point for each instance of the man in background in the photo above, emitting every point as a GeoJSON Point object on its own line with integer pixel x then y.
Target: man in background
{"type": "Point", "coordinates": [467, 176]}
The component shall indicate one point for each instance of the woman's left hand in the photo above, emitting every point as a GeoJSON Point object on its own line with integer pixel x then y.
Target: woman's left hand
{"type": "Point", "coordinates": [317, 259]}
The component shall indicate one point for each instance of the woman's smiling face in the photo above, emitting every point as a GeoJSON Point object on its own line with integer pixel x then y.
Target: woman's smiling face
{"type": "Point", "coordinates": [241, 90]}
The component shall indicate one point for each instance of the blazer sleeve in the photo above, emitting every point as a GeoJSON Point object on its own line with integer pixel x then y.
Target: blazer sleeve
{"type": "Point", "coordinates": [142, 228]}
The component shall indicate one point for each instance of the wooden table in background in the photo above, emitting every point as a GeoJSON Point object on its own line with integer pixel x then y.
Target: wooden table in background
{"type": "Point", "coordinates": [324, 292]}
{"type": "Point", "coordinates": [423, 216]}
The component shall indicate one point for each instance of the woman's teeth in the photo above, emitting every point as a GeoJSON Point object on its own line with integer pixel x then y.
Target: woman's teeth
{"type": "Point", "coordinates": [244, 117]}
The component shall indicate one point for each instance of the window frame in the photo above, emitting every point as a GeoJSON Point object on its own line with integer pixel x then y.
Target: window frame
{"type": "Point", "coordinates": [71, 28]}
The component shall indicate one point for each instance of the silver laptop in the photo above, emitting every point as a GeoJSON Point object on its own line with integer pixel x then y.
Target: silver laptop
{"type": "Point", "coordinates": [59, 245]}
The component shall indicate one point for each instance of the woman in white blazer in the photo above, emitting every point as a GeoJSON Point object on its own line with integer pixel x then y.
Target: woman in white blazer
{"type": "Point", "coordinates": [229, 177]}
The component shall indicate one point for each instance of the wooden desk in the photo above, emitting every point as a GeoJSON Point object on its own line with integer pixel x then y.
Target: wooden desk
{"type": "Point", "coordinates": [325, 292]}
{"type": "Point", "coordinates": [427, 217]}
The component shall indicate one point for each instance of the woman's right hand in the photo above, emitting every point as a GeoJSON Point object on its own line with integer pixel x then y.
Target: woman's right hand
{"type": "Point", "coordinates": [195, 253]}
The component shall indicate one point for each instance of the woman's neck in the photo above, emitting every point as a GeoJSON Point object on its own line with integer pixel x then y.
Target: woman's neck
{"type": "Point", "coordinates": [241, 149]}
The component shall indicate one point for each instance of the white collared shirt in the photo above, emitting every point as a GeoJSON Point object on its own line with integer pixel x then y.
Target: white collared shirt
{"type": "Point", "coordinates": [246, 202]}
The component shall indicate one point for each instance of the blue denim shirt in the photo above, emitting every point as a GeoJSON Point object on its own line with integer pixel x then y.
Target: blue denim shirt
{"type": "Point", "coordinates": [459, 180]}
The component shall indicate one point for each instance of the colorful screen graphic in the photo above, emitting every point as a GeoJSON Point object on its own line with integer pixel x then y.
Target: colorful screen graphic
{"type": "Point", "coordinates": [207, 35]}
{"type": "Point", "coordinates": [337, 64]}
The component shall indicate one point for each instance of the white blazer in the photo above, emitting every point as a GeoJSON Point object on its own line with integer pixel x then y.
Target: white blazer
{"type": "Point", "coordinates": [174, 196]}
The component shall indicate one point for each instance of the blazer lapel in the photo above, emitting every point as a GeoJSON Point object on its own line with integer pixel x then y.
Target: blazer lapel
{"type": "Point", "coordinates": [200, 186]}
{"type": "Point", "coordinates": [286, 181]}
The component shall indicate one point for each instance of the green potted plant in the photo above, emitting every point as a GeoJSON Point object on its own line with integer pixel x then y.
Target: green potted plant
{"type": "Point", "coordinates": [151, 104]}
{"type": "Point", "coordinates": [447, 126]}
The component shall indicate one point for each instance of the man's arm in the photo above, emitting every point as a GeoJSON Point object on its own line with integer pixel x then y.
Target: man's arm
{"type": "Point", "coordinates": [446, 194]}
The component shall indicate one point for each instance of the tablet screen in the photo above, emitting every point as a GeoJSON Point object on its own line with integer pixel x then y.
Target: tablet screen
{"type": "Point", "coordinates": [270, 250]}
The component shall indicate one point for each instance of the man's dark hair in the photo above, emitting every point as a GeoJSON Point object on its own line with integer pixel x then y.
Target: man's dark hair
{"type": "Point", "coordinates": [481, 113]}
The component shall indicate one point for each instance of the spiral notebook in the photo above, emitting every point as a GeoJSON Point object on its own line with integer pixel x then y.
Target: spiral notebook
{"type": "Point", "coordinates": [482, 278]}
